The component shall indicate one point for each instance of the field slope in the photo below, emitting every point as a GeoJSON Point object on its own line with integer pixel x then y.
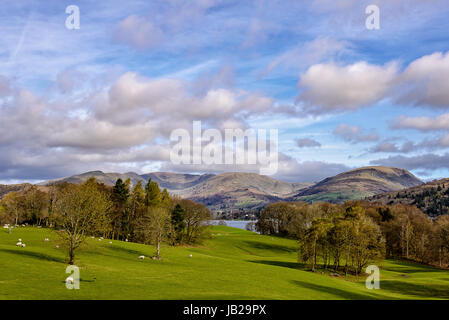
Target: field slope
{"type": "Point", "coordinates": [233, 264]}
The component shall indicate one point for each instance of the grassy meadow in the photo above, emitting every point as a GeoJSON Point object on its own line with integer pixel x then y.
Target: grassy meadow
{"type": "Point", "coordinates": [232, 264]}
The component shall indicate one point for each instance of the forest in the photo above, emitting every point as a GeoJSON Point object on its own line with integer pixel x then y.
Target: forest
{"type": "Point", "coordinates": [350, 236]}
{"type": "Point", "coordinates": [142, 214]}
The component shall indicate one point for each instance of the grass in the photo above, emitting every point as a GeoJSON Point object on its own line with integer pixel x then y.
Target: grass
{"type": "Point", "coordinates": [234, 264]}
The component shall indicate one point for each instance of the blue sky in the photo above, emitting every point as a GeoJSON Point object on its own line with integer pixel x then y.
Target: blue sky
{"type": "Point", "coordinates": [107, 95]}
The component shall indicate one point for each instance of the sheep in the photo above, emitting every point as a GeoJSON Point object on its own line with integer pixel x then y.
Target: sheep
{"type": "Point", "coordinates": [70, 280]}
{"type": "Point", "coordinates": [46, 240]}
{"type": "Point", "coordinates": [23, 245]}
{"type": "Point", "coordinates": [20, 240]}
{"type": "Point", "coordinates": [57, 247]}
{"type": "Point", "coordinates": [99, 239]}
{"type": "Point", "coordinates": [19, 244]}
{"type": "Point", "coordinates": [142, 257]}
{"type": "Point", "coordinates": [110, 242]}
{"type": "Point", "coordinates": [190, 256]}
{"type": "Point", "coordinates": [93, 237]}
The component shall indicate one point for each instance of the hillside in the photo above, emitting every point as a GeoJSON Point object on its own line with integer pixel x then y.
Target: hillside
{"type": "Point", "coordinates": [358, 184]}
{"type": "Point", "coordinates": [232, 264]}
{"type": "Point", "coordinates": [240, 190]}
{"type": "Point", "coordinates": [432, 197]}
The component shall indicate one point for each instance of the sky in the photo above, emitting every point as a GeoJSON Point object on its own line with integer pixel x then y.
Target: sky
{"type": "Point", "coordinates": [107, 95]}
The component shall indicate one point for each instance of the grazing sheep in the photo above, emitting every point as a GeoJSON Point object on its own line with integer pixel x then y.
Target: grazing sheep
{"type": "Point", "coordinates": [93, 237]}
{"type": "Point", "coordinates": [23, 245]}
{"type": "Point", "coordinates": [142, 257]}
{"type": "Point", "coordinates": [19, 244]}
{"type": "Point", "coordinates": [57, 247]}
{"type": "Point", "coordinates": [46, 240]}
{"type": "Point", "coordinates": [70, 280]}
{"type": "Point", "coordinates": [190, 256]}
{"type": "Point", "coordinates": [110, 241]}
{"type": "Point", "coordinates": [100, 239]}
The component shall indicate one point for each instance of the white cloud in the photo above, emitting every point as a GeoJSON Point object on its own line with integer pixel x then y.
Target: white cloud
{"type": "Point", "coordinates": [333, 88]}
{"type": "Point", "coordinates": [354, 134]}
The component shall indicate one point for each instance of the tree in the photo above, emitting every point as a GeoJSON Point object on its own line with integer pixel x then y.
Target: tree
{"type": "Point", "coordinates": [196, 217]}
{"type": "Point", "coordinates": [154, 227]}
{"type": "Point", "coordinates": [12, 205]}
{"type": "Point", "coordinates": [81, 210]}
{"type": "Point", "coordinates": [153, 194]}
{"type": "Point", "coordinates": [178, 223]}
{"type": "Point", "coordinates": [120, 196]}
{"type": "Point", "coordinates": [136, 209]}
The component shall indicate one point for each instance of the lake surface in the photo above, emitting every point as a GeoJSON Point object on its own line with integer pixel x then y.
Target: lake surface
{"type": "Point", "coordinates": [241, 224]}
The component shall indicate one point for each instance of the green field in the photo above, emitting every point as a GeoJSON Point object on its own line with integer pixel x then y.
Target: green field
{"type": "Point", "coordinates": [233, 264]}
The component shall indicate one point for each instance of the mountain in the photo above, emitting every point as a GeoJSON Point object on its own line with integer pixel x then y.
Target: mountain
{"type": "Point", "coordinates": [358, 184]}
{"type": "Point", "coordinates": [431, 197]}
{"type": "Point", "coordinates": [239, 190]}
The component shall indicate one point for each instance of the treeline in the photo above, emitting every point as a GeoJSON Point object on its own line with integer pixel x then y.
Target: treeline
{"type": "Point", "coordinates": [352, 235]}
{"type": "Point", "coordinates": [142, 214]}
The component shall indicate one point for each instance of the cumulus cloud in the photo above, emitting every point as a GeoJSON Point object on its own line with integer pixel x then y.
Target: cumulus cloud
{"type": "Point", "coordinates": [440, 122]}
{"type": "Point", "coordinates": [423, 162]}
{"type": "Point", "coordinates": [333, 88]}
{"type": "Point", "coordinates": [424, 81]}
{"type": "Point", "coordinates": [330, 88]}
{"type": "Point", "coordinates": [354, 134]}
{"type": "Point", "coordinates": [307, 143]}
{"type": "Point", "coordinates": [124, 125]}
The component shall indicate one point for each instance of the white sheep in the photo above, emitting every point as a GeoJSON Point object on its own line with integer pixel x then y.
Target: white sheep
{"type": "Point", "coordinates": [99, 239]}
{"type": "Point", "coordinates": [19, 244]}
{"type": "Point", "coordinates": [20, 240]}
{"type": "Point", "coordinates": [23, 245]}
{"type": "Point", "coordinates": [110, 241]}
{"type": "Point", "coordinates": [46, 240]}
{"type": "Point", "coordinates": [190, 256]}
{"type": "Point", "coordinates": [57, 247]}
{"type": "Point", "coordinates": [70, 280]}
{"type": "Point", "coordinates": [142, 257]}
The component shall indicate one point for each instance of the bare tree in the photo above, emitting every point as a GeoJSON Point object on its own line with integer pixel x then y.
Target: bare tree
{"type": "Point", "coordinates": [154, 227]}
{"type": "Point", "coordinates": [81, 210]}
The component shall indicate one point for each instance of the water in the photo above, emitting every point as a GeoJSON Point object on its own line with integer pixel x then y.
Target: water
{"type": "Point", "coordinates": [241, 224]}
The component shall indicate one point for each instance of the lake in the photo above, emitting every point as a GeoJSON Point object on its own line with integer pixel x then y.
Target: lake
{"type": "Point", "coordinates": [241, 224]}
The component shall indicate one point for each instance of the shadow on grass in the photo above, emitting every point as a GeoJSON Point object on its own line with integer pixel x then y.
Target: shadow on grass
{"type": "Point", "coordinates": [417, 290]}
{"type": "Point", "coordinates": [269, 246]}
{"type": "Point", "coordinates": [410, 267]}
{"type": "Point", "coordinates": [337, 292]}
{"type": "Point", "coordinates": [285, 264]}
{"type": "Point", "coordinates": [125, 250]}
{"type": "Point", "coordinates": [36, 255]}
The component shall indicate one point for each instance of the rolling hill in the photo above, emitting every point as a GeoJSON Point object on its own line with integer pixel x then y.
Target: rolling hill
{"type": "Point", "coordinates": [358, 184]}
{"type": "Point", "coordinates": [232, 264]}
{"type": "Point", "coordinates": [431, 197]}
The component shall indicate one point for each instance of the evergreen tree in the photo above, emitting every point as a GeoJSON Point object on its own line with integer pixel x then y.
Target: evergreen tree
{"type": "Point", "coordinates": [153, 195]}
{"type": "Point", "coordinates": [178, 222]}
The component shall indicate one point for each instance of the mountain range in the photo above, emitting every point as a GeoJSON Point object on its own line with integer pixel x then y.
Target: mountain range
{"type": "Point", "coordinates": [239, 190]}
